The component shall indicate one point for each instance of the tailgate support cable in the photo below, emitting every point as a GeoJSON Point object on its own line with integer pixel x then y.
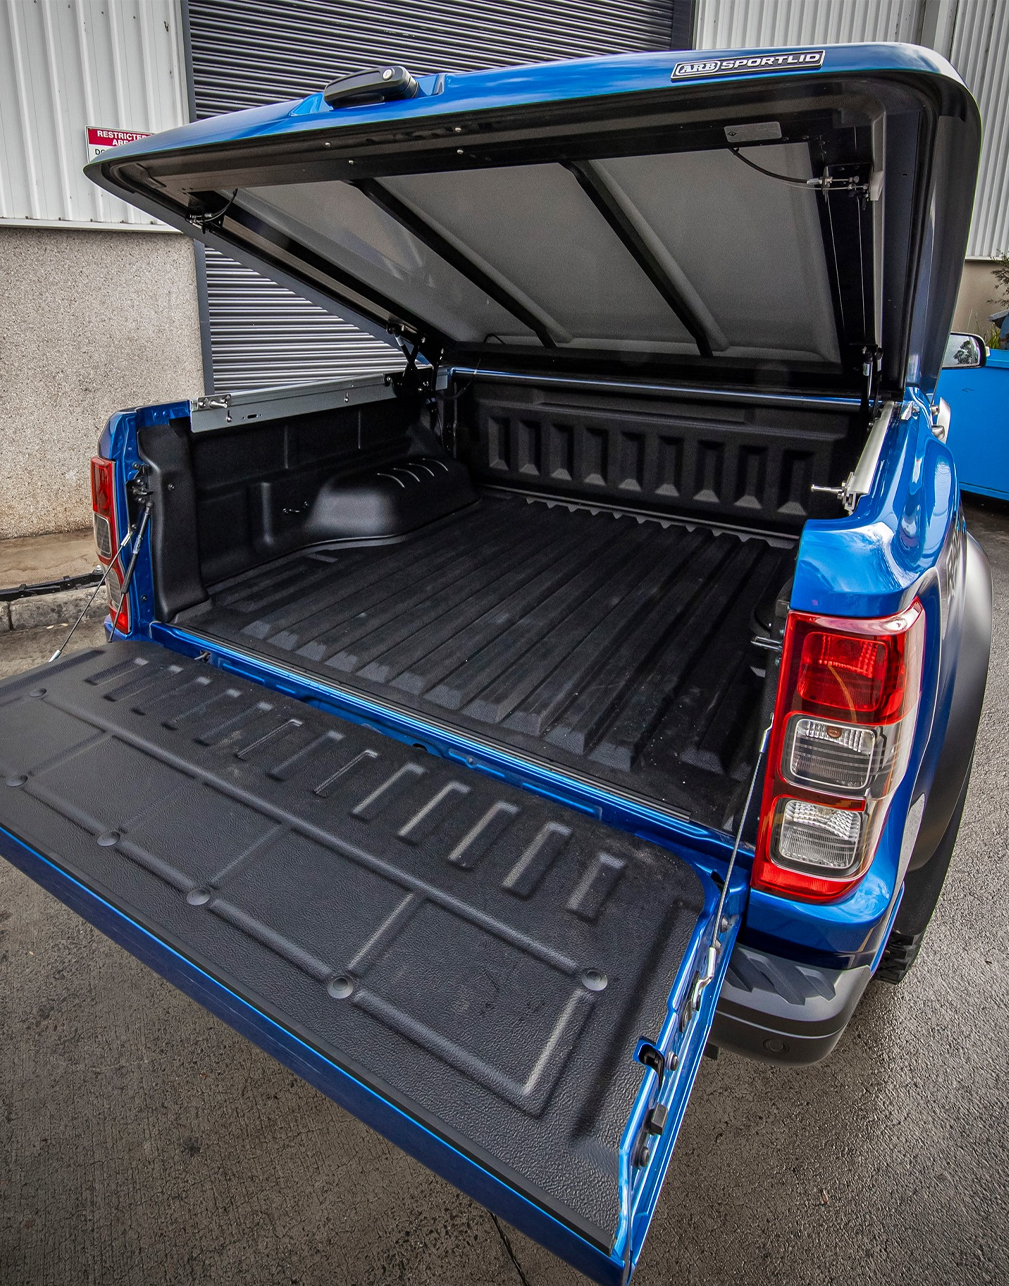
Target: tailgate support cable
{"type": "Point", "coordinates": [87, 606]}
{"type": "Point", "coordinates": [133, 562]}
{"type": "Point", "coordinates": [126, 580]}
{"type": "Point", "coordinates": [704, 980]}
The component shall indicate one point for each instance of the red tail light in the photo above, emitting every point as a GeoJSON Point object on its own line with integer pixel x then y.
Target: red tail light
{"type": "Point", "coordinates": [843, 725]}
{"type": "Point", "coordinates": [103, 503]}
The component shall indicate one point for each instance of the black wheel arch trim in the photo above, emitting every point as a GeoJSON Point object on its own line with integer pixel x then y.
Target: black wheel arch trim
{"type": "Point", "coordinates": [953, 767]}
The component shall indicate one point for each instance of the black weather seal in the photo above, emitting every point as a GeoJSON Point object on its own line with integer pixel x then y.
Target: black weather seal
{"type": "Point", "coordinates": [602, 198]}
{"type": "Point", "coordinates": [415, 224]}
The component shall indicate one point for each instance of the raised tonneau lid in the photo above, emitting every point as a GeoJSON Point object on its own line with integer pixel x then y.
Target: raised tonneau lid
{"type": "Point", "coordinates": [776, 217]}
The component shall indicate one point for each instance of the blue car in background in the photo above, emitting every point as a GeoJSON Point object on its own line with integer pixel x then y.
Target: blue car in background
{"type": "Point", "coordinates": [978, 398]}
{"type": "Point", "coordinates": [488, 738]}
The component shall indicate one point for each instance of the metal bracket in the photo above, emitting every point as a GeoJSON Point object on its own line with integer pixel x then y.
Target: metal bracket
{"type": "Point", "coordinates": [705, 979]}
{"type": "Point", "coordinates": [214, 402]}
{"type": "Point", "coordinates": [941, 417]}
{"type": "Point", "coordinates": [658, 1114]}
{"type": "Point", "coordinates": [842, 492]}
{"type": "Point", "coordinates": [204, 220]}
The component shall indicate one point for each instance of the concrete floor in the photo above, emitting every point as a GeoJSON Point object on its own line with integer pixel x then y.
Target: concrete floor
{"type": "Point", "coordinates": [32, 559]}
{"type": "Point", "coordinates": [141, 1141]}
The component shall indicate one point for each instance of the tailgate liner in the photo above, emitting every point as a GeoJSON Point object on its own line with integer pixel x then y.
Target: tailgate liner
{"type": "Point", "coordinates": [437, 933]}
{"type": "Point", "coordinates": [615, 647]}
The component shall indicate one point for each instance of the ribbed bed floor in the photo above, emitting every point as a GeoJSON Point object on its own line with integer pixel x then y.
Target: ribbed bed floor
{"type": "Point", "coordinates": [615, 647]}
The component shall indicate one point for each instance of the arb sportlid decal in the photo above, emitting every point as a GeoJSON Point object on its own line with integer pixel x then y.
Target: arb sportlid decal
{"type": "Point", "coordinates": [789, 60]}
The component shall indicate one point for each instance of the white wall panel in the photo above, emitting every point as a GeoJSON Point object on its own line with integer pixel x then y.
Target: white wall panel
{"type": "Point", "coordinates": [972, 34]}
{"type": "Point", "coordinates": [68, 64]}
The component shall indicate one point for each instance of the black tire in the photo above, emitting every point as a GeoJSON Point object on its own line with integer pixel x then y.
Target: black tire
{"type": "Point", "coordinates": [921, 894]}
{"type": "Point", "coordinates": [899, 955]}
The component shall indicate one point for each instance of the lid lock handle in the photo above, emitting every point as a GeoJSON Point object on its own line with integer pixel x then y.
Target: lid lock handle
{"type": "Point", "coordinates": [361, 88]}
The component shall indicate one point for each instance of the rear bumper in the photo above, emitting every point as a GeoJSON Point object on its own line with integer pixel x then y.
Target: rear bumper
{"type": "Point", "coordinates": [782, 1011]}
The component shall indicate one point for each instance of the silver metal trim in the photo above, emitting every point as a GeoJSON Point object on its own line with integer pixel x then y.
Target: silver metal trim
{"type": "Point", "coordinates": [228, 410]}
{"type": "Point", "coordinates": [859, 482]}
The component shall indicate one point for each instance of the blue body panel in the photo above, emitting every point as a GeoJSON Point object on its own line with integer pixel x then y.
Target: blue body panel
{"type": "Point", "coordinates": [875, 563]}
{"type": "Point", "coordinates": [979, 428]}
{"type": "Point", "coordinates": [871, 563]}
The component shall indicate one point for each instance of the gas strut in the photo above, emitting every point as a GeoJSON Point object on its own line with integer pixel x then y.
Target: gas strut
{"type": "Point", "coordinates": [126, 581]}
{"type": "Point", "coordinates": [133, 561]}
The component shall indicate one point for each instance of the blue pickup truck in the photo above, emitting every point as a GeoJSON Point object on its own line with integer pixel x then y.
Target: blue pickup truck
{"type": "Point", "coordinates": [487, 740]}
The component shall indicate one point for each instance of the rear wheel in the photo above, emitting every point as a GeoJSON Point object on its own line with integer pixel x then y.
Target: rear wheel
{"type": "Point", "coordinates": [921, 894]}
{"type": "Point", "coordinates": [899, 955]}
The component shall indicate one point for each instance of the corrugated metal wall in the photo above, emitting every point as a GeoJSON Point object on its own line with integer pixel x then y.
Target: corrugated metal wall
{"type": "Point", "coordinates": [979, 50]}
{"type": "Point", "coordinates": [757, 24]}
{"type": "Point", "coordinates": [68, 64]}
{"type": "Point", "coordinates": [247, 52]}
{"type": "Point", "coordinates": [972, 34]}
{"type": "Point", "coordinates": [261, 330]}
{"type": "Point", "coordinates": [289, 48]}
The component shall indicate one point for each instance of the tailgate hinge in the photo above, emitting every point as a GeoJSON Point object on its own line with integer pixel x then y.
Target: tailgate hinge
{"type": "Point", "coordinates": [212, 402]}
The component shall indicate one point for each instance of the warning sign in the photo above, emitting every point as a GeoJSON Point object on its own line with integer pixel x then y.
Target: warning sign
{"type": "Point", "coordinates": [100, 140]}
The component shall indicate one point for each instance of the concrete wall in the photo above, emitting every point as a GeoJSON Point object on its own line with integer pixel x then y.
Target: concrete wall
{"type": "Point", "coordinates": [90, 322]}
{"type": "Point", "coordinates": [976, 300]}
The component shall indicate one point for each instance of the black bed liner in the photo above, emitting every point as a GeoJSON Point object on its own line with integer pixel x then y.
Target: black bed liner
{"type": "Point", "coordinates": [485, 958]}
{"type": "Point", "coordinates": [615, 646]}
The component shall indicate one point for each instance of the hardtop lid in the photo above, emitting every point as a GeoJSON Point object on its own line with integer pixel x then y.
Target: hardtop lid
{"type": "Point", "coordinates": [784, 218]}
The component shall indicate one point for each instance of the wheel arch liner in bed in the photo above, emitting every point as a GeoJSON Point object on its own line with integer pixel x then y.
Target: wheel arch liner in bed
{"type": "Point", "coordinates": [467, 967]}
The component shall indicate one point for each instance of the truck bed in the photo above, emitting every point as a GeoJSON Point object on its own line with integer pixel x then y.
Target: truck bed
{"type": "Point", "coordinates": [611, 645]}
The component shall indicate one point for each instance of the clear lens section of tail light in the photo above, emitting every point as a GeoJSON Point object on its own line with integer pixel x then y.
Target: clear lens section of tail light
{"type": "Point", "coordinates": [103, 537]}
{"type": "Point", "coordinates": [836, 756]}
{"type": "Point", "coordinates": [807, 834]}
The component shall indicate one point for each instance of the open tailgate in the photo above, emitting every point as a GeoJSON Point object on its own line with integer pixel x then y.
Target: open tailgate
{"type": "Point", "coordinates": [466, 966]}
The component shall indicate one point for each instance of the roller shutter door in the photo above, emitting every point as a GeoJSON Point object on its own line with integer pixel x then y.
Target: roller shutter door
{"type": "Point", "coordinates": [244, 53]}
